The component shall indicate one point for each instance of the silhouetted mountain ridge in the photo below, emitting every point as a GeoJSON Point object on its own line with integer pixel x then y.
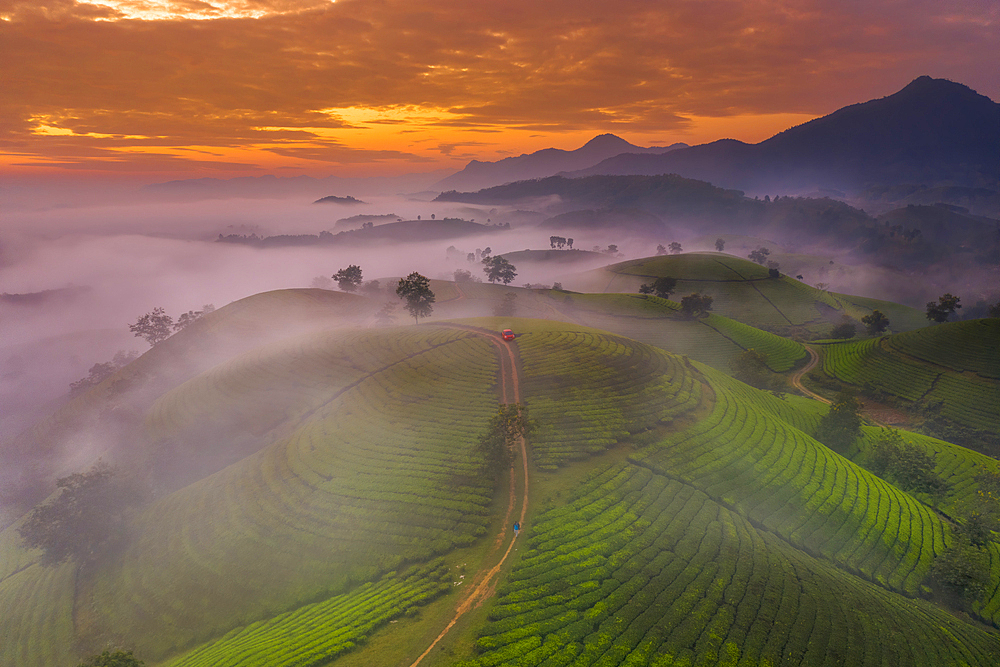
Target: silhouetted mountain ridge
{"type": "Point", "coordinates": [932, 132]}
{"type": "Point", "coordinates": [540, 164]}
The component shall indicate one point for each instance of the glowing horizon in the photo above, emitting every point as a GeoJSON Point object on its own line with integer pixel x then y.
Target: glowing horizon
{"type": "Point", "coordinates": [175, 89]}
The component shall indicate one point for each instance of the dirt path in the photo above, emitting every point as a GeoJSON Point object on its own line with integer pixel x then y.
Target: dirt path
{"type": "Point", "coordinates": [796, 379]}
{"type": "Point", "coordinates": [483, 583]}
{"type": "Point", "coordinates": [878, 413]}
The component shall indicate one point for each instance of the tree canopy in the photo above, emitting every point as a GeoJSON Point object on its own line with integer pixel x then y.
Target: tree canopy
{"type": "Point", "coordinates": [117, 658]}
{"type": "Point", "coordinates": [502, 432]}
{"type": "Point", "coordinates": [416, 291]}
{"type": "Point", "coordinates": [349, 278]}
{"type": "Point", "coordinates": [154, 327]}
{"type": "Point", "coordinates": [86, 518]}
{"type": "Point", "coordinates": [841, 426]}
{"type": "Point", "coordinates": [498, 269]}
{"type": "Point", "coordinates": [695, 304]}
{"type": "Point", "coordinates": [876, 323]}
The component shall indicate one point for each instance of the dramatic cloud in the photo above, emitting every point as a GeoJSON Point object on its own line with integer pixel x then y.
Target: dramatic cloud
{"type": "Point", "coordinates": [310, 84]}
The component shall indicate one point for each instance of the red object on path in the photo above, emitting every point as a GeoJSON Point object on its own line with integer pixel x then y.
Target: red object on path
{"type": "Point", "coordinates": [507, 334]}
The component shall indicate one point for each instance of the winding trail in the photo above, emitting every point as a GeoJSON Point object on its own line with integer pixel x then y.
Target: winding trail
{"type": "Point", "coordinates": [483, 584]}
{"type": "Point", "coordinates": [796, 379]}
{"type": "Point", "coordinates": [876, 413]}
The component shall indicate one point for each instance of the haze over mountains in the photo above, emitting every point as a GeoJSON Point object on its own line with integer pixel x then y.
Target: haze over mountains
{"type": "Point", "coordinates": [546, 162]}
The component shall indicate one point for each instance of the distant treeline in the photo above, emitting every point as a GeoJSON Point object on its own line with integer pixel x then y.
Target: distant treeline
{"type": "Point", "coordinates": [406, 230]}
{"type": "Point", "coordinates": [909, 237]}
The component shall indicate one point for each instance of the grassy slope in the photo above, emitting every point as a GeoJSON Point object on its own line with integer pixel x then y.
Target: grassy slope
{"type": "Point", "coordinates": [742, 291]}
{"type": "Point", "coordinates": [288, 544]}
{"type": "Point", "coordinates": [954, 365]}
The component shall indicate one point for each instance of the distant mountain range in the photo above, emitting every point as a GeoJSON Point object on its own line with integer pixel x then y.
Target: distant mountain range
{"type": "Point", "coordinates": [547, 162]}
{"type": "Point", "coordinates": [933, 132]}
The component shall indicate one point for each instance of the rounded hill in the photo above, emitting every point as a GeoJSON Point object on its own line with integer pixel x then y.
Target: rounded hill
{"type": "Point", "coordinates": [744, 291]}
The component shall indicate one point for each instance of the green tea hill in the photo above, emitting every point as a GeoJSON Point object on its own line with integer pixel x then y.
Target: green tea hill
{"type": "Point", "coordinates": [744, 291]}
{"type": "Point", "coordinates": [317, 495]}
{"type": "Point", "coordinates": [951, 368]}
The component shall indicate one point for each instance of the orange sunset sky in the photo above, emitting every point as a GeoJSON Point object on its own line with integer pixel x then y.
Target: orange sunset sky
{"type": "Point", "coordinates": [163, 89]}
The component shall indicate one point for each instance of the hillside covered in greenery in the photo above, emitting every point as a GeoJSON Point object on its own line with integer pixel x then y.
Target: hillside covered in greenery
{"type": "Point", "coordinates": [321, 493]}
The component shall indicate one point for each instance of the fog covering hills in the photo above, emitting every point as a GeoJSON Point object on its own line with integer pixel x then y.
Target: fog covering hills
{"type": "Point", "coordinates": [932, 132]}
{"type": "Point", "coordinates": [306, 463]}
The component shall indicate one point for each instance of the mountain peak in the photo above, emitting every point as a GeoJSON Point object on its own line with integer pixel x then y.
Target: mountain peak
{"type": "Point", "coordinates": [607, 140]}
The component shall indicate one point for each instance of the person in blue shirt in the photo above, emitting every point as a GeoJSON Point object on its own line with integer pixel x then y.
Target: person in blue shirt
{"type": "Point", "coordinates": [517, 527]}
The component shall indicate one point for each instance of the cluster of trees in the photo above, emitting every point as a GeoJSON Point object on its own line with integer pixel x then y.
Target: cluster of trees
{"type": "Point", "coordinates": [875, 324]}
{"type": "Point", "coordinates": [675, 249]}
{"type": "Point", "coordinates": [502, 432]}
{"type": "Point", "coordinates": [963, 570]}
{"type": "Point", "coordinates": [156, 326]}
{"type": "Point", "coordinates": [559, 242]}
{"type": "Point", "coordinates": [943, 308]}
{"type": "Point", "coordinates": [113, 658]}
{"type": "Point", "coordinates": [86, 520]}
{"type": "Point", "coordinates": [907, 466]}
{"type": "Point", "coordinates": [102, 371]}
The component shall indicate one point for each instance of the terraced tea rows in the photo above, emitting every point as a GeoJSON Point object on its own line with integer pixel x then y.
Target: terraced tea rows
{"type": "Point", "coordinates": [972, 346]}
{"type": "Point", "coordinates": [315, 634]}
{"type": "Point", "coordinates": [878, 364]}
{"type": "Point", "coordinates": [384, 472]}
{"type": "Point", "coordinates": [643, 570]}
{"type": "Point", "coordinates": [589, 390]}
{"type": "Point", "coordinates": [787, 482]}
{"type": "Point", "coordinates": [36, 621]}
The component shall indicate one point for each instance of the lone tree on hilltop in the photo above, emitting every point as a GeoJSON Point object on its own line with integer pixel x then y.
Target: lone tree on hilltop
{"type": "Point", "coordinates": [695, 304]}
{"type": "Point", "coordinates": [109, 658]}
{"type": "Point", "coordinates": [876, 323]}
{"type": "Point", "coordinates": [675, 248]}
{"type": "Point", "coordinates": [759, 255]}
{"type": "Point", "coordinates": [84, 520]}
{"type": "Point", "coordinates": [154, 327]}
{"type": "Point", "coordinates": [720, 244]}
{"type": "Point", "coordinates": [841, 426]}
{"type": "Point", "coordinates": [348, 279]}
{"type": "Point", "coordinates": [943, 309]}
{"type": "Point", "coordinates": [499, 269]}
{"type": "Point", "coordinates": [504, 429]}
{"type": "Point", "coordinates": [661, 249]}
{"type": "Point", "coordinates": [416, 290]}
